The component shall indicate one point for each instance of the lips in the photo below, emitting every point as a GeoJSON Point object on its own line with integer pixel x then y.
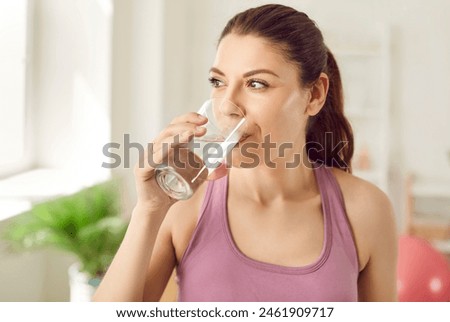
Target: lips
{"type": "Point", "coordinates": [243, 138]}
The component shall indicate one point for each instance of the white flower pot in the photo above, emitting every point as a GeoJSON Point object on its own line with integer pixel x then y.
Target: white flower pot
{"type": "Point", "coordinates": [82, 287]}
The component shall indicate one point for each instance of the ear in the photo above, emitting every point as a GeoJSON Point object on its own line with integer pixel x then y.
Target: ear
{"type": "Point", "coordinates": [318, 95]}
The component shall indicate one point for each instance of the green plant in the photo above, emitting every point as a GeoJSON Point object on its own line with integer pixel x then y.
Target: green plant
{"type": "Point", "coordinates": [86, 224]}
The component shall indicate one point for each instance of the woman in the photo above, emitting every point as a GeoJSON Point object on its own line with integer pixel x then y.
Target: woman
{"type": "Point", "coordinates": [273, 231]}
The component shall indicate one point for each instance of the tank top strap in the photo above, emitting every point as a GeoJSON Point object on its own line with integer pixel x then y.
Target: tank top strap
{"type": "Point", "coordinates": [341, 228]}
{"type": "Point", "coordinates": [209, 219]}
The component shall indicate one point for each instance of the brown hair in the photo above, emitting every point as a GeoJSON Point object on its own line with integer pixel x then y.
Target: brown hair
{"type": "Point", "coordinates": [302, 42]}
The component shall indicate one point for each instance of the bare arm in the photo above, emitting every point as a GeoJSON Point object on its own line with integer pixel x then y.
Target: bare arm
{"type": "Point", "coordinates": [125, 278]}
{"type": "Point", "coordinates": [378, 280]}
{"type": "Point", "coordinates": [162, 261]}
{"type": "Point", "coordinates": [148, 231]}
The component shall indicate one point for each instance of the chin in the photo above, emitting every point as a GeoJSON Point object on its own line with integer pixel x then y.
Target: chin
{"type": "Point", "coordinates": [238, 160]}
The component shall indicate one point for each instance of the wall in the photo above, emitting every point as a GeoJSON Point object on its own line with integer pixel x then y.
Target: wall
{"type": "Point", "coordinates": [137, 86]}
{"type": "Point", "coordinates": [71, 83]}
{"type": "Point", "coordinates": [70, 102]}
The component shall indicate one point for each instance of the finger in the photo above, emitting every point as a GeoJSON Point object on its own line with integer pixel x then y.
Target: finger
{"type": "Point", "coordinates": [180, 137]}
{"type": "Point", "coordinates": [177, 129]}
{"type": "Point", "coordinates": [155, 154]}
{"type": "Point", "coordinates": [191, 117]}
{"type": "Point", "coordinates": [156, 151]}
{"type": "Point", "coordinates": [161, 148]}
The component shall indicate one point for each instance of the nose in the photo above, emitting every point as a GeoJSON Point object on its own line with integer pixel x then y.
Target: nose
{"type": "Point", "coordinates": [235, 115]}
{"type": "Point", "coordinates": [232, 104]}
{"type": "Point", "coordinates": [229, 108]}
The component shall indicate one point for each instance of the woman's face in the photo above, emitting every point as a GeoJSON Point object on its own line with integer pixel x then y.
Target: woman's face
{"type": "Point", "coordinates": [258, 78]}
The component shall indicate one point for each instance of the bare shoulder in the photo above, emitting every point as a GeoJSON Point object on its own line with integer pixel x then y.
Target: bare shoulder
{"type": "Point", "coordinates": [361, 193]}
{"type": "Point", "coordinates": [182, 218]}
{"type": "Point", "coordinates": [369, 211]}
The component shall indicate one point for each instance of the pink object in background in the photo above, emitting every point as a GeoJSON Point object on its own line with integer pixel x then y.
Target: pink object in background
{"type": "Point", "coordinates": [423, 272]}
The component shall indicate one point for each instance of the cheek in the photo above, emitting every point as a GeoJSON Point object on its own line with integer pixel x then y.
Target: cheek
{"type": "Point", "coordinates": [285, 120]}
{"type": "Point", "coordinates": [287, 129]}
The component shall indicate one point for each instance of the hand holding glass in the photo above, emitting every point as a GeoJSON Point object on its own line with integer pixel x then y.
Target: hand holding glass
{"type": "Point", "coordinates": [180, 175]}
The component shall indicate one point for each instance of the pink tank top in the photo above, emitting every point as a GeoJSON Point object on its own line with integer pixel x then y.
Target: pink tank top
{"type": "Point", "coordinates": [213, 268]}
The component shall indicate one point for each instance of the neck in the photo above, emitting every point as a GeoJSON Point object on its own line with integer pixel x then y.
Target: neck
{"type": "Point", "coordinates": [265, 185]}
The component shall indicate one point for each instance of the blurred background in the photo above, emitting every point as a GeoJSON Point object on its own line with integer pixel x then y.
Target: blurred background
{"type": "Point", "coordinates": [76, 75]}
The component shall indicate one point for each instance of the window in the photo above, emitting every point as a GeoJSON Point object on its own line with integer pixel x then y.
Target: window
{"type": "Point", "coordinates": [13, 79]}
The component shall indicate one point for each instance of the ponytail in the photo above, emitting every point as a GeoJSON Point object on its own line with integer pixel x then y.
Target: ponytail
{"type": "Point", "coordinates": [329, 136]}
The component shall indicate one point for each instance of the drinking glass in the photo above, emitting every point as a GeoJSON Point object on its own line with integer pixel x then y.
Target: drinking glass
{"type": "Point", "coordinates": [189, 165]}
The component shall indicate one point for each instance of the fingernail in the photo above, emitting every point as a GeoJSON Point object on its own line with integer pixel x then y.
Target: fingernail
{"type": "Point", "coordinates": [198, 129]}
{"type": "Point", "coordinates": [201, 117]}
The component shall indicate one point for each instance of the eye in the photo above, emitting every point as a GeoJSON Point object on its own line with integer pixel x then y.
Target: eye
{"type": "Point", "coordinates": [216, 83]}
{"type": "Point", "coordinates": [257, 84]}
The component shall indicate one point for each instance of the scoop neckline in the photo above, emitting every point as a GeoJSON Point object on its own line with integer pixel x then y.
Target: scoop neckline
{"type": "Point", "coordinates": [326, 246]}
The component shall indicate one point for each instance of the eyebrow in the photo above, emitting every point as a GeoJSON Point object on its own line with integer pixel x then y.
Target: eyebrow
{"type": "Point", "coordinates": [247, 74]}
